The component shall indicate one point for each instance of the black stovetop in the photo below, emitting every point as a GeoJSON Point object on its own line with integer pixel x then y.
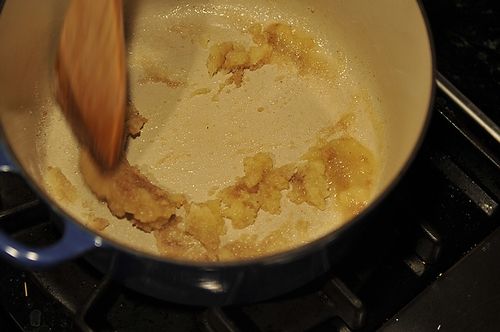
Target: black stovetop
{"type": "Point", "coordinates": [433, 265]}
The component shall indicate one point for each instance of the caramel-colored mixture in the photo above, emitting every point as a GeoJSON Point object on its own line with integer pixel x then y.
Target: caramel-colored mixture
{"type": "Point", "coordinates": [286, 237]}
{"type": "Point", "coordinates": [349, 171]}
{"type": "Point", "coordinates": [173, 241]}
{"type": "Point", "coordinates": [276, 43]}
{"type": "Point", "coordinates": [97, 224]}
{"type": "Point", "coordinates": [130, 194]}
{"type": "Point", "coordinates": [60, 186]}
{"type": "Point", "coordinates": [260, 188]}
{"type": "Point", "coordinates": [135, 122]}
{"type": "Point", "coordinates": [205, 223]}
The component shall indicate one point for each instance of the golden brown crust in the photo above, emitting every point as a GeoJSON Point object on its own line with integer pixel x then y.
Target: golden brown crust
{"type": "Point", "coordinates": [248, 246]}
{"type": "Point", "coordinates": [135, 121]}
{"type": "Point", "coordinates": [276, 43]}
{"type": "Point", "coordinates": [130, 194]}
{"type": "Point", "coordinates": [260, 188]}
{"type": "Point", "coordinates": [174, 242]}
{"type": "Point", "coordinates": [60, 186]}
{"type": "Point", "coordinates": [97, 224]}
{"type": "Point", "coordinates": [204, 222]}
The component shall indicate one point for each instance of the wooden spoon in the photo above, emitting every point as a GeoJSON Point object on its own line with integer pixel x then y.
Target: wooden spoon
{"type": "Point", "coordinates": [91, 75]}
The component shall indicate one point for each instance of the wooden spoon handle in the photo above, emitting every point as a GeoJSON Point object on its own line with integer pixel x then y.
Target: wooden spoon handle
{"type": "Point", "coordinates": [91, 74]}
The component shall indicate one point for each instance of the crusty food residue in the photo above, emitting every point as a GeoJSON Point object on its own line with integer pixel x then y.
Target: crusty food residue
{"type": "Point", "coordinates": [205, 223]}
{"type": "Point", "coordinates": [173, 241]}
{"type": "Point", "coordinates": [97, 224]}
{"type": "Point", "coordinates": [135, 121]}
{"type": "Point", "coordinates": [60, 186]}
{"type": "Point", "coordinates": [249, 246]}
{"type": "Point", "coordinates": [277, 43]}
{"type": "Point", "coordinates": [130, 194]}
{"type": "Point", "coordinates": [260, 188]}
